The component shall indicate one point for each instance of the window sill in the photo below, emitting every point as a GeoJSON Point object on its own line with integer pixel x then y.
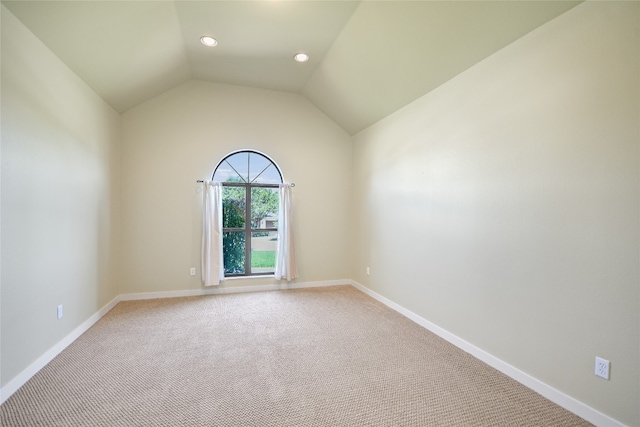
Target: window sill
{"type": "Point", "coordinates": [261, 276]}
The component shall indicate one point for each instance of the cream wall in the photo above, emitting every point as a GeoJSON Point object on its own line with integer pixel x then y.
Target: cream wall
{"type": "Point", "coordinates": [504, 206]}
{"type": "Point", "coordinates": [179, 137]}
{"type": "Point", "coordinates": [59, 188]}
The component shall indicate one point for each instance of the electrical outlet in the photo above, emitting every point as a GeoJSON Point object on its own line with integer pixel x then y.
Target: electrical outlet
{"type": "Point", "coordinates": [602, 368]}
{"type": "Point", "coordinates": [368, 271]}
{"type": "Point", "coordinates": [60, 311]}
{"type": "Point", "coordinates": [192, 271]}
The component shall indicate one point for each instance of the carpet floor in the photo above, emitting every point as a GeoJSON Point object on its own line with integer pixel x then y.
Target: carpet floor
{"type": "Point", "coordinates": [308, 357]}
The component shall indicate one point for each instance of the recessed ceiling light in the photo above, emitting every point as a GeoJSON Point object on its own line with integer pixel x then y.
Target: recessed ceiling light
{"type": "Point", "coordinates": [301, 57]}
{"type": "Point", "coordinates": [208, 41]}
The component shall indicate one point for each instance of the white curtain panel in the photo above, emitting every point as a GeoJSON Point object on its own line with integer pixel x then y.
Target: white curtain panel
{"type": "Point", "coordinates": [212, 261]}
{"type": "Point", "coordinates": [285, 257]}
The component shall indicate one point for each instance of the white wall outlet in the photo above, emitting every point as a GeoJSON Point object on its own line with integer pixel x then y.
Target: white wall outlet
{"type": "Point", "coordinates": [60, 311]}
{"type": "Point", "coordinates": [192, 272]}
{"type": "Point", "coordinates": [368, 271]}
{"type": "Point", "coordinates": [602, 368]}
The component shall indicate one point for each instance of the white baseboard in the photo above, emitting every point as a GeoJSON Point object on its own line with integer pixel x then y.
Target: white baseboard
{"type": "Point", "coordinates": [561, 399]}
{"type": "Point", "coordinates": [24, 376]}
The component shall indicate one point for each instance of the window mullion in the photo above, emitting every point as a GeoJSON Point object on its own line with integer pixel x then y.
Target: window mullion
{"type": "Point", "coordinates": [247, 232]}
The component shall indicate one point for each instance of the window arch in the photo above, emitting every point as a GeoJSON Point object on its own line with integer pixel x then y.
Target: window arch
{"type": "Point", "coordinates": [250, 202]}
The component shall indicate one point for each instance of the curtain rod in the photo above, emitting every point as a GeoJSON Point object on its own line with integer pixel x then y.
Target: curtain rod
{"type": "Point", "coordinates": [202, 182]}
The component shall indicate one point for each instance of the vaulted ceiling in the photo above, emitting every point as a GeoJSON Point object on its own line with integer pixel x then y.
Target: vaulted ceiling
{"type": "Point", "coordinates": [368, 58]}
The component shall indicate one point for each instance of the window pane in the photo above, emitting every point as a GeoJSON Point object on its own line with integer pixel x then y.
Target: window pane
{"type": "Point", "coordinates": [247, 167]}
{"type": "Point", "coordinates": [240, 163]}
{"type": "Point", "coordinates": [264, 207]}
{"type": "Point", "coordinates": [269, 175]}
{"type": "Point", "coordinates": [257, 164]}
{"type": "Point", "coordinates": [225, 173]}
{"type": "Point", "coordinates": [233, 207]}
{"type": "Point", "coordinates": [263, 251]}
{"type": "Point", "coordinates": [233, 248]}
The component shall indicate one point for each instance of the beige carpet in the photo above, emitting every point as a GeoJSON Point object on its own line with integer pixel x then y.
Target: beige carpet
{"type": "Point", "coordinates": [310, 357]}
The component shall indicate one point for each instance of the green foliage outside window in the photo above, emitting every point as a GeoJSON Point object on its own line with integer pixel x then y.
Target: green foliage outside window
{"type": "Point", "coordinates": [264, 203]}
{"type": "Point", "coordinates": [233, 242]}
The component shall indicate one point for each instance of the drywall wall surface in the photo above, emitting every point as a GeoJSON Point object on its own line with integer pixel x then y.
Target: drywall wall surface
{"type": "Point", "coordinates": [174, 140]}
{"type": "Point", "coordinates": [60, 159]}
{"type": "Point", "coordinates": [504, 206]}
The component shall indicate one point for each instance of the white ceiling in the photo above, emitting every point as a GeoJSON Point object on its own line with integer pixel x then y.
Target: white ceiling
{"type": "Point", "coordinates": [368, 58]}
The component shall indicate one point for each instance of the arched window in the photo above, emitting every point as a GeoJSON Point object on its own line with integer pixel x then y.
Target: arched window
{"type": "Point", "coordinates": [250, 203]}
